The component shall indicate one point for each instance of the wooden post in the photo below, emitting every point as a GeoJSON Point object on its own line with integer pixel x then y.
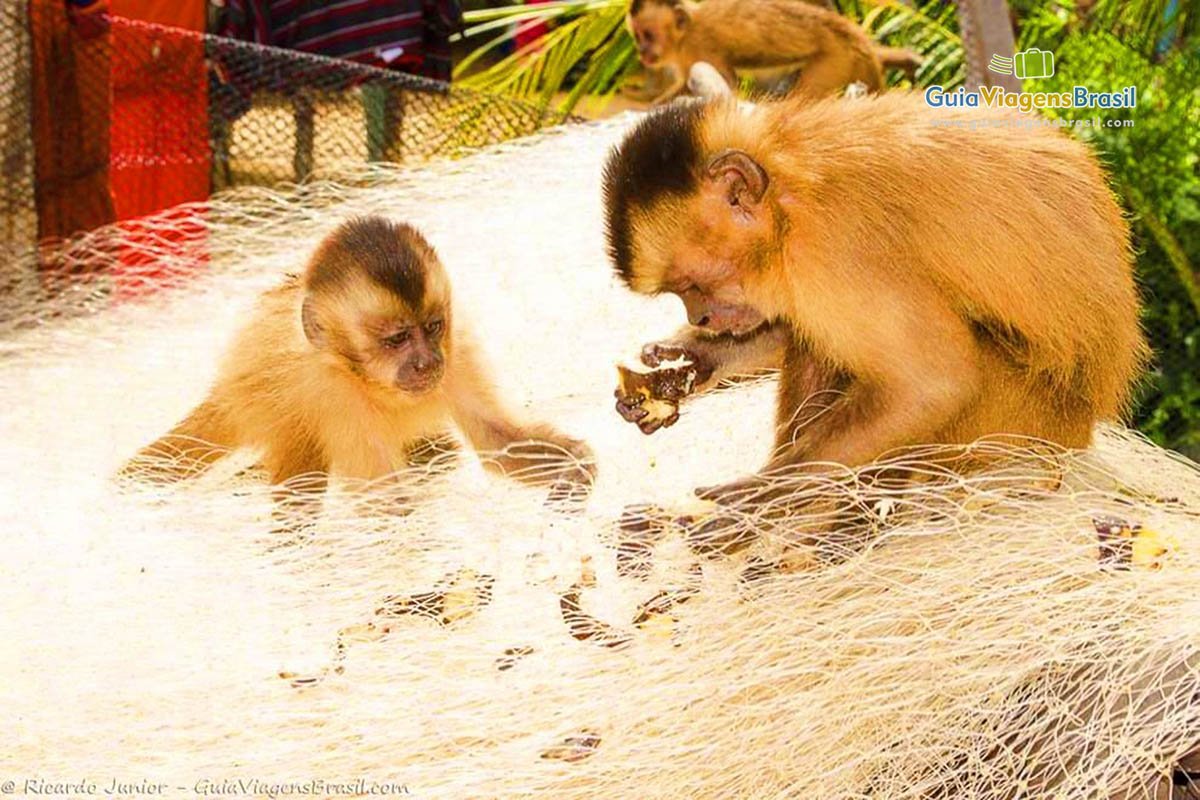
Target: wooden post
{"type": "Point", "coordinates": [986, 31]}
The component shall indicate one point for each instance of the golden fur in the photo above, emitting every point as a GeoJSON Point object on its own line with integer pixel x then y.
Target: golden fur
{"type": "Point", "coordinates": [947, 282]}
{"type": "Point", "coordinates": [326, 400]}
{"type": "Point", "coordinates": [761, 37]}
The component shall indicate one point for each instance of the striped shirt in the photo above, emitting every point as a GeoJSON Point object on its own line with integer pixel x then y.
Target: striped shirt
{"type": "Point", "coordinates": [412, 35]}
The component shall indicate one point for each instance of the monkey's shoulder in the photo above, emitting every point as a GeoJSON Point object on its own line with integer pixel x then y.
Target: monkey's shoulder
{"type": "Point", "coordinates": [292, 283]}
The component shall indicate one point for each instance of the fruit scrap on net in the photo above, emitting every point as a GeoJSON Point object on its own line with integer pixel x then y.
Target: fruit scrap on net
{"type": "Point", "coordinates": [1124, 544]}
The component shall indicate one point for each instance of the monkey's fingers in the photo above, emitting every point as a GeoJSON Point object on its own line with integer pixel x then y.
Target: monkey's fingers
{"type": "Point", "coordinates": [721, 534]}
{"type": "Point", "coordinates": [549, 462]}
{"type": "Point", "coordinates": [657, 353]}
{"type": "Point", "coordinates": [630, 407]}
{"type": "Point", "coordinates": [651, 425]}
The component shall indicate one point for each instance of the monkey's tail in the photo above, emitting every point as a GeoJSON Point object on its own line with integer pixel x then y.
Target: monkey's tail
{"type": "Point", "coordinates": [899, 58]}
{"type": "Point", "coordinates": [186, 451]}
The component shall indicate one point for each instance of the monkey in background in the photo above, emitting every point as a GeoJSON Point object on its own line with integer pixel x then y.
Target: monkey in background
{"type": "Point", "coordinates": [761, 35]}
{"type": "Point", "coordinates": [933, 285]}
{"type": "Point", "coordinates": [351, 368]}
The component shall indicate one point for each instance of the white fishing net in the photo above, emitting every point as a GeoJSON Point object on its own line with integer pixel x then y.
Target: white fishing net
{"type": "Point", "coordinates": [1028, 634]}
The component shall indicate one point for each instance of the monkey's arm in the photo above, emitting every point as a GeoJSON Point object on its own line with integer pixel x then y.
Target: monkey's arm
{"type": "Point", "coordinates": [715, 359]}
{"type": "Point", "coordinates": [912, 365]}
{"type": "Point", "coordinates": [298, 469]}
{"type": "Point", "coordinates": [534, 454]}
{"type": "Point", "coordinates": [913, 372]}
{"type": "Point", "coordinates": [188, 450]}
{"type": "Point", "coordinates": [677, 86]}
{"type": "Point", "coordinates": [722, 358]}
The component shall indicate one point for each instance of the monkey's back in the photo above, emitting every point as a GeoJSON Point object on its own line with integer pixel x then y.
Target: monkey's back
{"type": "Point", "coordinates": [1014, 224]}
{"type": "Point", "coordinates": [765, 34]}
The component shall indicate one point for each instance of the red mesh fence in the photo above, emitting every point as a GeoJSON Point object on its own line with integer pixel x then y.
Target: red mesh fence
{"type": "Point", "coordinates": [110, 119]}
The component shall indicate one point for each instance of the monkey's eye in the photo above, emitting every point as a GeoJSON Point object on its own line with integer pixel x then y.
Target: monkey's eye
{"type": "Point", "coordinates": [649, 37]}
{"type": "Point", "coordinates": [435, 327]}
{"type": "Point", "coordinates": [397, 339]}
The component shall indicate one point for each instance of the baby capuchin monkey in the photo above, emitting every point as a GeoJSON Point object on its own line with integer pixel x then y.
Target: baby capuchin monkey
{"type": "Point", "coordinates": [764, 37]}
{"type": "Point", "coordinates": [930, 285]}
{"type": "Point", "coordinates": [351, 368]}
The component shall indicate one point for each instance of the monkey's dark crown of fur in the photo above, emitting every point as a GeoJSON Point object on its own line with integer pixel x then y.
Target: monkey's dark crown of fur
{"type": "Point", "coordinates": [392, 254]}
{"type": "Point", "coordinates": [636, 6]}
{"type": "Point", "coordinates": [659, 158]}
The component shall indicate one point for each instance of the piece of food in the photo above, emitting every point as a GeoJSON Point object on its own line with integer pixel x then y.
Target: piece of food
{"type": "Point", "coordinates": [511, 656]}
{"type": "Point", "coordinates": [656, 616]}
{"type": "Point", "coordinates": [660, 627]}
{"type": "Point", "coordinates": [662, 604]}
{"type": "Point", "coordinates": [657, 393]}
{"type": "Point", "coordinates": [460, 596]}
{"type": "Point", "coordinates": [587, 572]}
{"type": "Point", "coordinates": [303, 681]}
{"type": "Point", "coordinates": [584, 626]}
{"type": "Point", "coordinates": [363, 632]}
{"type": "Point", "coordinates": [1124, 544]}
{"type": "Point", "coordinates": [574, 748]}
{"type": "Point", "coordinates": [1152, 548]}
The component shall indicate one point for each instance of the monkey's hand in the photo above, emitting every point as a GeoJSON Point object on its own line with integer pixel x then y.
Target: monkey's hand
{"type": "Point", "coordinates": [651, 399]}
{"type": "Point", "coordinates": [548, 457]}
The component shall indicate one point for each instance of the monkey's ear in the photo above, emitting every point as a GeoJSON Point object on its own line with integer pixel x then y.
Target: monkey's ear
{"type": "Point", "coordinates": [314, 331]}
{"type": "Point", "coordinates": [682, 20]}
{"type": "Point", "coordinates": [744, 180]}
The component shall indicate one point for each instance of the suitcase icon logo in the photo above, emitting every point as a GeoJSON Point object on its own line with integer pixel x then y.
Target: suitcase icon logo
{"type": "Point", "coordinates": [1031, 63]}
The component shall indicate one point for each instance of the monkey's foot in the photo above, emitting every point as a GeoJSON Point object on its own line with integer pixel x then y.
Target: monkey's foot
{"type": "Point", "coordinates": [748, 491]}
{"type": "Point", "coordinates": [720, 534]}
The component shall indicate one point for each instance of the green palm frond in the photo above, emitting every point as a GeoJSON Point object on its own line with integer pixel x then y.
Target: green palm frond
{"type": "Point", "coordinates": [586, 52]}
{"type": "Point", "coordinates": [929, 28]}
{"type": "Point", "coordinates": [1147, 25]}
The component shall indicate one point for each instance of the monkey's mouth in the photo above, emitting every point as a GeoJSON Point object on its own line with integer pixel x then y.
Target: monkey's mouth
{"type": "Point", "coordinates": [419, 386]}
{"type": "Point", "coordinates": [742, 334]}
{"type": "Point", "coordinates": [648, 59]}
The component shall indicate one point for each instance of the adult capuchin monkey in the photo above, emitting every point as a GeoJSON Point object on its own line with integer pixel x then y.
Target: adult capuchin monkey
{"type": "Point", "coordinates": [349, 369]}
{"type": "Point", "coordinates": [929, 284]}
{"type": "Point", "coordinates": [763, 37]}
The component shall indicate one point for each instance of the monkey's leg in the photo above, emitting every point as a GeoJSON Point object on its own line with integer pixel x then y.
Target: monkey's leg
{"type": "Point", "coordinates": [299, 476]}
{"type": "Point", "coordinates": [651, 86]}
{"type": "Point", "coordinates": [808, 389]}
{"type": "Point", "coordinates": [930, 374]}
{"type": "Point", "coordinates": [829, 73]}
{"type": "Point", "coordinates": [677, 87]}
{"type": "Point", "coordinates": [186, 451]}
